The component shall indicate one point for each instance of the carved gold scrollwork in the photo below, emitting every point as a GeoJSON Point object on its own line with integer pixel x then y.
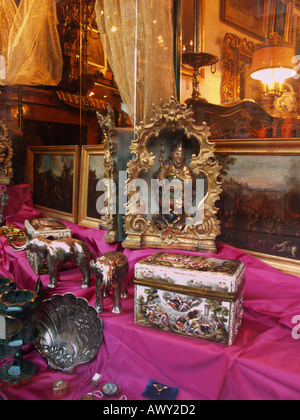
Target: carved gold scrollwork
{"type": "Point", "coordinates": [6, 155]}
{"type": "Point", "coordinates": [236, 51]}
{"type": "Point", "coordinates": [107, 124]}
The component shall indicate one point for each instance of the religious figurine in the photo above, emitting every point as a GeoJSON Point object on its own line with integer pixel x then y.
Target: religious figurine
{"type": "Point", "coordinates": [177, 174]}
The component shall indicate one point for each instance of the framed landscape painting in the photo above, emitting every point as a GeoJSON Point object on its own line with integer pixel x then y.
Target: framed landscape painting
{"type": "Point", "coordinates": [53, 173]}
{"type": "Point", "coordinates": [260, 207]}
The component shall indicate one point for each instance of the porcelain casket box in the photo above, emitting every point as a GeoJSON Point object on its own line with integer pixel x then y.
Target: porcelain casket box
{"type": "Point", "coordinates": [190, 295]}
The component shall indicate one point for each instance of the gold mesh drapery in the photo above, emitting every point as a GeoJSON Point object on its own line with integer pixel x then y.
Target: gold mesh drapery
{"type": "Point", "coordinates": [138, 43]}
{"type": "Point", "coordinates": [8, 10]}
{"type": "Point", "coordinates": [30, 42]}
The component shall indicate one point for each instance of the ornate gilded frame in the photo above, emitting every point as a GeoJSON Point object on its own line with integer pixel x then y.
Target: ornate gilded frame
{"type": "Point", "coordinates": [34, 154]}
{"type": "Point", "coordinates": [266, 147]}
{"type": "Point", "coordinates": [231, 16]}
{"type": "Point", "coordinates": [6, 170]}
{"type": "Point", "coordinates": [86, 196]}
{"type": "Point", "coordinates": [286, 36]}
{"type": "Point", "coordinates": [237, 52]}
{"type": "Point", "coordinates": [143, 233]}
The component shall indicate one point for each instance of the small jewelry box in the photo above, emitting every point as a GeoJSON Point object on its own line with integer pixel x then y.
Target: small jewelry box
{"type": "Point", "coordinates": [190, 295]}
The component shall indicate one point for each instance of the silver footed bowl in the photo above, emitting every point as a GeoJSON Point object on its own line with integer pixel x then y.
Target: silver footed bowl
{"type": "Point", "coordinates": [68, 332]}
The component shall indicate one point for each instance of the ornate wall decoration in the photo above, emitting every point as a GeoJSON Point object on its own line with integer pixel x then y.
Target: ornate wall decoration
{"type": "Point", "coordinates": [172, 130]}
{"type": "Point", "coordinates": [109, 220]}
{"type": "Point", "coordinates": [237, 53]}
{"type": "Point", "coordinates": [6, 155]}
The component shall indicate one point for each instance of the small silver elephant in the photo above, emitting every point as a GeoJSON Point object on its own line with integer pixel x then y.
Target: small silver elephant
{"type": "Point", "coordinates": [111, 269]}
{"type": "Point", "coordinates": [57, 253]}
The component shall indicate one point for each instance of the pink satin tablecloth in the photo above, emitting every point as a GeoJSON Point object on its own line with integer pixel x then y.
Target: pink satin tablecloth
{"type": "Point", "coordinates": [263, 364]}
{"type": "Point", "coordinates": [19, 206]}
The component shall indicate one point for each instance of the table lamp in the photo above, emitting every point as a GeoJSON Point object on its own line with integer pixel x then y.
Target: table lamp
{"type": "Point", "coordinates": [272, 64]}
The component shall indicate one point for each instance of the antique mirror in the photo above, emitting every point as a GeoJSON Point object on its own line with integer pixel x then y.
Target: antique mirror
{"type": "Point", "coordinates": [189, 27]}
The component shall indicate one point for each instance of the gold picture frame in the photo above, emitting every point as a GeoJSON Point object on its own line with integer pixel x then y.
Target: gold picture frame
{"type": "Point", "coordinates": [268, 16]}
{"type": "Point", "coordinates": [281, 19]}
{"type": "Point", "coordinates": [53, 175]}
{"type": "Point", "coordinates": [237, 15]}
{"type": "Point", "coordinates": [236, 59]}
{"type": "Point", "coordinates": [267, 148]}
{"type": "Point", "coordinates": [91, 172]}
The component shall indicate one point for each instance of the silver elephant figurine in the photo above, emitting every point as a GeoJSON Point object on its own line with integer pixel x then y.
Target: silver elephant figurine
{"type": "Point", "coordinates": [111, 269]}
{"type": "Point", "coordinates": [57, 253]}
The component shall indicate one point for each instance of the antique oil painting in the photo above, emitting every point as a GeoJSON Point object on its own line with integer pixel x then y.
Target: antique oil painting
{"type": "Point", "coordinates": [53, 176]}
{"type": "Point", "coordinates": [96, 173]}
{"type": "Point", "coordinates": [260, 204]}
{"type": "Point", "coordinates": [92, 171]}
{"type": "Point", "coordinates": [249, 16]}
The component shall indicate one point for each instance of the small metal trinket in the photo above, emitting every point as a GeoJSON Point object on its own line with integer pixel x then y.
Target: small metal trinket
{"type": "Point", "coordinates": [160, 388]}
{"type": "Point", "coordinates": [12, 232]}
{"type": "Point", "coordinates": [110, 389]}
{"type": "Point", "coordinates": [92, 396]}
{"type": "Point", "coordinates": [88, 397]}
{"type": "Point", "coordinates": [111, 270]}
{"type": "Point", "coordinates": [60, 388]}
{"type": "Point", "coordinates": [95, 380]}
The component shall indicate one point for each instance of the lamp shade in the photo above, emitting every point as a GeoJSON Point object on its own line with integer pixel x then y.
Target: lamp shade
{"type": "Point", "coordinates": [273, 63]}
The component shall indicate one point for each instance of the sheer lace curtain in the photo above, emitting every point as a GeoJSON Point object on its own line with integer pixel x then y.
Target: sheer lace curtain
{"type": "Point", "coordinates": [137, 37]}
{"type": "Point", "coordinates": [30, 45]}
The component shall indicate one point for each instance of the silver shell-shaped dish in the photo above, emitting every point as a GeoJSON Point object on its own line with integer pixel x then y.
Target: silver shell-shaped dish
{"type": "Point", "coordinates": [68, 332]}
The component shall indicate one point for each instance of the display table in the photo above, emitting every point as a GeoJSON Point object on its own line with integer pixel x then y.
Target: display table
{"type": "Point", "coordinates": [264, 362]}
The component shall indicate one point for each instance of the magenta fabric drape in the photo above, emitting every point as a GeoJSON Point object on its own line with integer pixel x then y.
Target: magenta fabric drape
{"type": "Point", "coordinates": [263, 364]}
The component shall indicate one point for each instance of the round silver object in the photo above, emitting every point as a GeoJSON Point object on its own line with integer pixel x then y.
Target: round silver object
{"type": "Point", "coordinates": [68, 333]}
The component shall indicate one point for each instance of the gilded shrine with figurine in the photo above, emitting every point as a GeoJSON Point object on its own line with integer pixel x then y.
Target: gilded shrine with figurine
{"type": "Point", "coordinates": [175, 158]}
